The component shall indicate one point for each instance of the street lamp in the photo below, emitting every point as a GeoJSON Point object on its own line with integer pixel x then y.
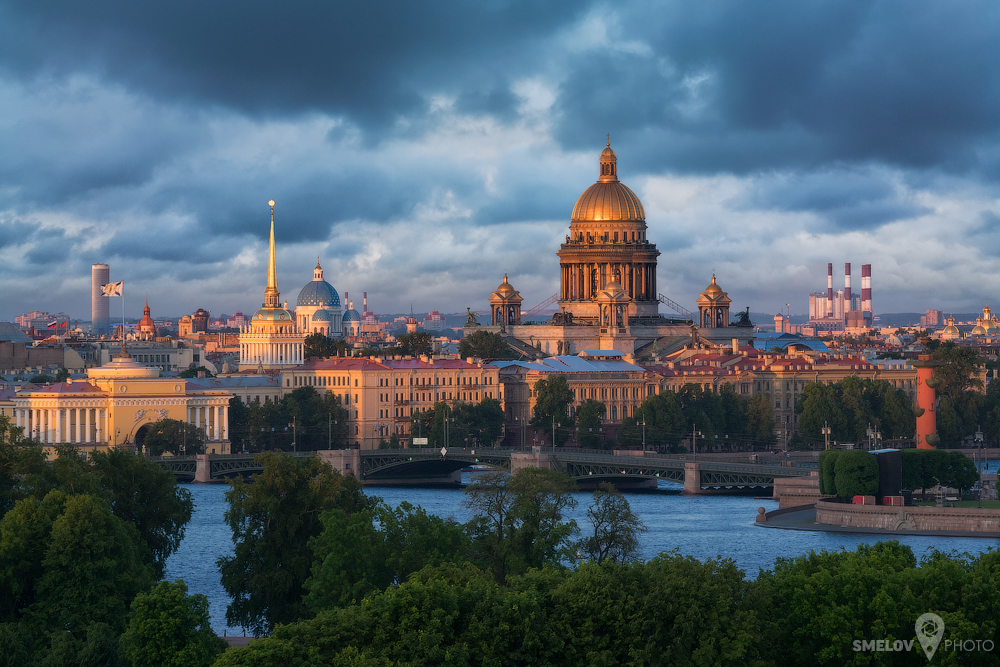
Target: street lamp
{"type": "Point", "coordinates": [826, 435]}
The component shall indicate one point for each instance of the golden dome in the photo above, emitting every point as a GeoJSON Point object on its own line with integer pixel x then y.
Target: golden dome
{"type": "Point", "coordinates": [714, 287]}
{"type": "Point", "coordinates": [505, 287]}
{"type": "Point", "coordinates": [608, 199]}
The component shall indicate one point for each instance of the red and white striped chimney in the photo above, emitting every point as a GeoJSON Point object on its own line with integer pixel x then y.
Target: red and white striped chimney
{"type": "Point", "coordinates": [847, 288]}
{"type": "Point", "coordinates": [366, 302]}
{"type": "Point", "coordinates": [829, 289]}
{"type": "Point", "coordinates": [866, 288]}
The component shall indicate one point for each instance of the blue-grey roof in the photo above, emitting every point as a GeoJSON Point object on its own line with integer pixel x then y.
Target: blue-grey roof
{"type": "Point", "coordinates": [352, 316]}
{"type": "Point", "coordinates": [9, 333]}
{"type": "Point", "coordinates": [765, 345]}
{"type": "Point", "coordinates": [322, 316]}
{"type": "Point", "coordinates": [319, 293]}
{"type": "Point", "coordinates": [571, 364]}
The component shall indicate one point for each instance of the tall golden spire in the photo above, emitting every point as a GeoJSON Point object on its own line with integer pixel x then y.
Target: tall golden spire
{"type": "Point", "coordinates": [271, 293]}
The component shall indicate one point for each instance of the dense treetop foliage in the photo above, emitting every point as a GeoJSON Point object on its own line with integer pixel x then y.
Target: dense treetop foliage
{"type": "Point", "coordinates": [303, 420]}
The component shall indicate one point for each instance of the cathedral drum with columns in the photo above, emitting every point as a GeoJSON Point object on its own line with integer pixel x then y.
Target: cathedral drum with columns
{"type": "Point", "coordinates": [608, 297]}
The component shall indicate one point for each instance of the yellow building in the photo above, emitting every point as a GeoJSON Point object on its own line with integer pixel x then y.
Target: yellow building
{"type": "Point", "coordinates": [272, 340]}
{"type": "Point", "coordinates": [381, 395]}
{"type": "Point", "coordinates": [116, 405]}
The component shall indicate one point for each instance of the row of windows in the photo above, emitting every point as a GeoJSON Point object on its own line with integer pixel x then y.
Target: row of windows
{"type": "Point", "coordinates": [424, 381]}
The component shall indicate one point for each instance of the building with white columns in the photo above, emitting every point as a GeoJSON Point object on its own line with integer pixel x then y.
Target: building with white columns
{"type": "Point", "coordinates": [116, 405]}
{"type": "Point", "coordinates": [272, 340]}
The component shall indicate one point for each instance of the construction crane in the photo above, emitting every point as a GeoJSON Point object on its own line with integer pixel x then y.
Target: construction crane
{"type": "Point", "coordinates": [676, 307]}
{"type": "Point", "coordinates": [540, 307]}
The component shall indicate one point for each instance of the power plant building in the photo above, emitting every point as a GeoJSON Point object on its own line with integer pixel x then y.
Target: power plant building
{"type": "Point", "coordinates": [835, 311]}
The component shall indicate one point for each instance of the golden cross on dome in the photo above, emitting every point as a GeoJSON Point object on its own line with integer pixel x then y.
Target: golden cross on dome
{"type": "Point", "coordinates": [609, 140]}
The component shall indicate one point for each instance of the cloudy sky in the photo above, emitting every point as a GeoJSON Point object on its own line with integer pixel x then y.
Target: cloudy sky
{"type": "Point", "coordinates": [421, 149]}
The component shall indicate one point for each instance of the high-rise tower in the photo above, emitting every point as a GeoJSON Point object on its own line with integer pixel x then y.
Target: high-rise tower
{"type": "Point", "coordinates": [100, 274]}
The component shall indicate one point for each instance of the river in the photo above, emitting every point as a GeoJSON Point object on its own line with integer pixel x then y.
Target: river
{"type": "Point", "coordinates": [698, 526]}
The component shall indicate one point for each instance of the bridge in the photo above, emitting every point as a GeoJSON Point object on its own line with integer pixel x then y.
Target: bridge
{"type": "Point", "coordinates": [428, 466]}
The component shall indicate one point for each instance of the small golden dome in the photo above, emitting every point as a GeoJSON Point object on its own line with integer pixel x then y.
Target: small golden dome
{"type": "Point", "coordinates": [505, 287]}
{"type": "Point", "coordinates": [714, 287]}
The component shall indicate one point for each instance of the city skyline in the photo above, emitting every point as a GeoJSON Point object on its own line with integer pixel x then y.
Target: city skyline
{"type": "Point", "coordinates": [422, 151]}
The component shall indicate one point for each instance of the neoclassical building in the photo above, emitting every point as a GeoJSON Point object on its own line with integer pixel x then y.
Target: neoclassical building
{"type": "Point", "coordinates": [608, 296]}
{"type": "Point", "coordinates": [272, 340]}
{"type": "Point", "coordinates": [116, 405]}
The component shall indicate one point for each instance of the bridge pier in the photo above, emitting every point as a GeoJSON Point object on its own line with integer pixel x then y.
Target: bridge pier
{"type": "Point", "coordinates": [534, 459]}
{"type": "Point", "coordinates": [203, 473]}
{"type": "Point", "coordinates": [692, 480]}
{"type": "Point", "coordinates": [345, 461]}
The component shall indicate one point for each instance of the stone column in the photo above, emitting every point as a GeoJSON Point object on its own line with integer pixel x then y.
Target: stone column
{"type": "Point", "coordinates": [88, 437]}
{"type": "Point", "coordinates": [225, 422]}
{"type": "Point", "coordinates": [58, 433]}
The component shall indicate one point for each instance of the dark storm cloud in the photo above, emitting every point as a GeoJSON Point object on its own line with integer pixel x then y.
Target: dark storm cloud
{"type": "Point", "coordinates": [797, 83]}
{"type": "Point", "coordinates": [850, 199]}
{"type": "Point", "coordinates": [368, 59]}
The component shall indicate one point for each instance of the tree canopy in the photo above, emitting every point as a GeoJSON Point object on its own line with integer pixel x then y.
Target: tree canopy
{"type": "Point", "coordinates": [174, 436]}
{"type": "Point", "coordinates": [552, 400]}
{"type": "Point", "coordinates": [272, 520]}
{"type": "Point", "coordinates": [486, 345]}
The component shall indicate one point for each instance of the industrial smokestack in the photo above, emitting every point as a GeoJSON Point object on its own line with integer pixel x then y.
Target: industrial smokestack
{"type": "Point", "coordinates": [847, 288]}
{"type": "Point", "coordinates": [829, 289]}
{"type": "Point", "coordinates": [365, 301]}
{"type": "Point", "coordinates": [866, 288]}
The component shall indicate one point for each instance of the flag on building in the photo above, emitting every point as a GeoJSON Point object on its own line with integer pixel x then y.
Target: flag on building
{"type": "Point", "coordinates": [53, 324]}
{"type": "Point", "coordinates": [113, 289]}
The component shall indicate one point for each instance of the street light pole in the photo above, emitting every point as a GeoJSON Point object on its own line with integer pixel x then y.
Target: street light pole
{"type": "Point", "coordinates": [826, 435]}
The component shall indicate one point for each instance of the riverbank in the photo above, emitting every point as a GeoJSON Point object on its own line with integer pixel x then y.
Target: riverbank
{"type": "Point", "coordinates": [803, 518]}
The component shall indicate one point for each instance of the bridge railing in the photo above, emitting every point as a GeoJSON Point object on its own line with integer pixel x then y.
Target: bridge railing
{"type": "Point", "coordinates": [652, 462]}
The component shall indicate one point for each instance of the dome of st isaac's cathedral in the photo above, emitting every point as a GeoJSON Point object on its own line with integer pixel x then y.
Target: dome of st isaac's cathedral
{"type": "Point", "coordinates": [608, 198]}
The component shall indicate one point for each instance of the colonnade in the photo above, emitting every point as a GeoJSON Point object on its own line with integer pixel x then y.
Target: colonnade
{"type": "Point", "coordinates": [582, 281]}
{"type": "Point", "coordinates": [90, 425]}
{"type": "Point", "coordinates": [83, 425]}
{"type": "Point", "coordinates": [272, 353]}
{"type": "Point", "coordinates": [214, 419]}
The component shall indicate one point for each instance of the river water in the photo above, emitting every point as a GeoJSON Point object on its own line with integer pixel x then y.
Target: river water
{"type": "Point", "coordinates": [698, 526]}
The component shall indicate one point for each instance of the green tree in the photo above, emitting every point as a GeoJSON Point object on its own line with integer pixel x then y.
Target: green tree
{"type": "Point", "coordinates": [370, 550]}
{"type": "Point", "coordinates": [167, 627]}
{"type": "Point", "coordinates": [189, 373]}
{"type": "Point", "coordinates": [856, 473]}
{"type": "Point", "coordinates": [24, 538]}
{"type": "Point", "coordinates": [63, 374]}
{"type": "Point", "coordinates": [272, 519]}
{"type": "Point", "coordinates": [415, 344]}
{"type": "Point", "coordinates": [960, 472]}
{"type": "Point", "coordinates": [665, 424]}
{"type": "Point", "coordinates": [42, 379]}
{"type": "Point", "coordinates": [552, 400]}
{"type": "Point", "coordinates": [485, 345]}
{"type": "Point", "coordinates": [759, 424]}
{"type": "Point", "coordinates": [519, 519]}
{"type": "Point", "coordinates": [828, 471]}
{"type": "Point", "coordinates": [148, 498]}
{"type": "Point", "coordinates": [95, 564]}
{"type": "Point", "coordinates": [616, 528]}
{"type": "Point", "coordinates": [174, 435]}
{"type": "Point", "coordinates": [588, 421]}
{"type": "Point", "coordinates": [318, 346]}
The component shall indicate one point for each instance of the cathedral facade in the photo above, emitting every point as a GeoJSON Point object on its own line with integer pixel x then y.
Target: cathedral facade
{"type": "Point", "coordinates": [608, 295]}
